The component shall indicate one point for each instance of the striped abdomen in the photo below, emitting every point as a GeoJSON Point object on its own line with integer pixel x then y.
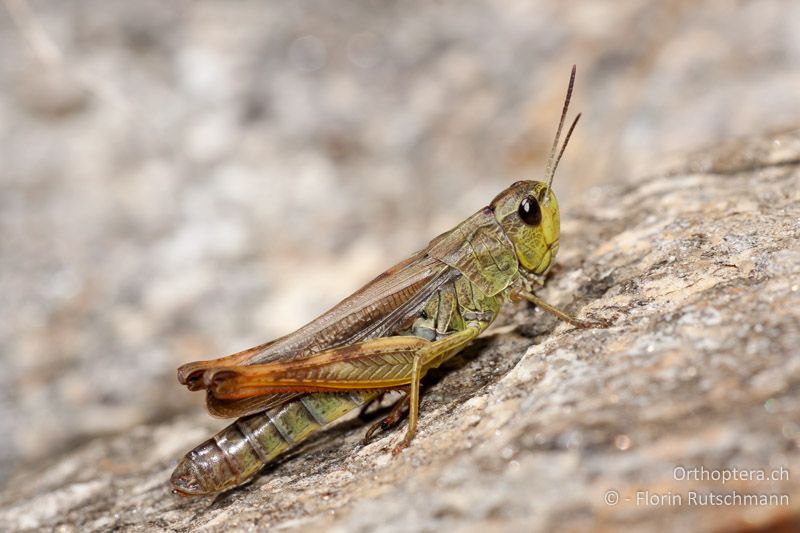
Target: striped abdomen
{"type": "Point", "coordinates": [238, 452]}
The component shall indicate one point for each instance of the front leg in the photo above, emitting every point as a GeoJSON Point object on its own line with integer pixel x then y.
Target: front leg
{"type": "Point", "coordinates": [561, 315]}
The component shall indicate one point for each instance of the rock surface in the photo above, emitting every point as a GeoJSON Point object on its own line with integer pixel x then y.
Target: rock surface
{"type": "Point", "coordinates": [183, 179]}
{"type": "Point", "coordinates": [698, 268]}
{"type": "Point", "coordinates": [179, 180]}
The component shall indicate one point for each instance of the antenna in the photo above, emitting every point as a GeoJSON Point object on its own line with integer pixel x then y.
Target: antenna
{"type": "Point", "coordinates": [552, 159]}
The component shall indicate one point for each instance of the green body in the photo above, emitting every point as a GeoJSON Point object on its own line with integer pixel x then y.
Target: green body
{"type": "Point", "coordinates": [473, 269]}
{"type": "Point", "coordinates": [387, 335]}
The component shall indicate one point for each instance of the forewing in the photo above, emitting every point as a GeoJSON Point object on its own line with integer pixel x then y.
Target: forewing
{"type": "Point", "coordinates": [384, 306]}
{"type": "Point", "coordinates": [477, 248]}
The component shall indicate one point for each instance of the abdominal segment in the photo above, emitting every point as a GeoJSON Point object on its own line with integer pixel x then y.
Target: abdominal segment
{"type": "Point", "coordinates": [235, 454]}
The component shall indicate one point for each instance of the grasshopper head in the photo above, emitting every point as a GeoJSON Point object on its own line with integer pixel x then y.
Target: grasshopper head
{"type": "Point", "coordinates": [528, 213]}
{"type": "Point", "coordinates": [528, 210]}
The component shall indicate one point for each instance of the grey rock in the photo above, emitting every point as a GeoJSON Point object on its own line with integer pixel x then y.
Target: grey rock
{"type": "Point", "coordinates": [172, 173]}
{"type": "Point", "coordinates": [697, 267]}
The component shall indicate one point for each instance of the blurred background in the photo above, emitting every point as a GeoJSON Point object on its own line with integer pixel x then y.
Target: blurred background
{"type": "Point", "coordinates": [182, 180]}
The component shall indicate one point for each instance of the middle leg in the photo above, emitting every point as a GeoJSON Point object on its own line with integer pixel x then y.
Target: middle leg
{"type": "Point", "coordinates": [394, 416]}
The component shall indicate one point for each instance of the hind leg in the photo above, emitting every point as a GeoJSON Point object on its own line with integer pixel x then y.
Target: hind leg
{"type": "Point", "coordinates": [395, 415]}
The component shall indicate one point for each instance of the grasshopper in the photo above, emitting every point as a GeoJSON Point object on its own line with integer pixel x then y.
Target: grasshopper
{"type": "Point", "coordinates": [385, 336]}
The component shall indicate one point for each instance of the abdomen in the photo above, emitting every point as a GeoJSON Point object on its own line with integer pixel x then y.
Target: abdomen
{"type": "Point", "coordinates": [235, 454]}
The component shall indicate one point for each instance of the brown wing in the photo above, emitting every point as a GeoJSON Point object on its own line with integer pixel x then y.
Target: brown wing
{"type": "Point", "coordinates": [246, 406]}
{"type": "Point", "coordinates": [381, 307]}
{"type": "Point", "coordinates": [477, 248]}
{"type": "Point", "coordinates": [384, 306]}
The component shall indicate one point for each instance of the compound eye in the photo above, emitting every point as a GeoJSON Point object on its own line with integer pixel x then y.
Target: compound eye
{"type": "Point", "coordinates": [529, 211]}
